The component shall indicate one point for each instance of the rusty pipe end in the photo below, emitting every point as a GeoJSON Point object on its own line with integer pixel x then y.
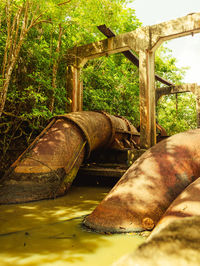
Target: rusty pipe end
{"type": "Point", "coordinates": [108, 217]}
{"type": "Point", "coordinates": [25, 187]}
{"type": "Point", "coordinates": [47, 168]}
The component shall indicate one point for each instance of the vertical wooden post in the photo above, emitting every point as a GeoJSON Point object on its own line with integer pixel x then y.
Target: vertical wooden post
{"type": "Point", "coordinates": [80, 94]}
{"type": "Point", "coordinates": [74, 89]}
{"type": "Point", "coordinates": [147, 99]}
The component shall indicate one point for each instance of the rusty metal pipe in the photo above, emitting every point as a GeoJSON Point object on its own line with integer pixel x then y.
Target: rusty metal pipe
{"type": "Point", "coordinates": [49, 165]}
{"type": "Point", "coordinates": [187, 204]}
{"type": "Point", "coordinates": [142, 195]}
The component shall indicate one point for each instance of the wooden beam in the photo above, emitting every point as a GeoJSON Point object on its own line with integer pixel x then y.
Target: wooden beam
{"type": "Point", "coordinates": [121, 43]}
{"type": "Point", "coordinates": [129, 54]}
{"type": "Point", "coordinates": [149, 37]}
{"type": "Point", "coordinates": [187, 87]}
{"type": "Point", "coordinates": [180, 27]}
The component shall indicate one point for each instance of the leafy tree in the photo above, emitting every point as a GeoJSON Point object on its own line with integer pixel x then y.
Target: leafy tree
{"type": "Point", "coordinates": [35, 88]}
{"type": "Point", "coordinates": [19, 20]}
{"type": "Point", "coordinates": [112, 84]}
{"type": "Point", "coordinates": [177, 113]}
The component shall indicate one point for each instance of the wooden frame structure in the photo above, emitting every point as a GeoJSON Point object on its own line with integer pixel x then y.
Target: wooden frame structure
{"type": "Point", "coordinates": [187, 87]}
{"type": "Point", "coordinates": [144, 41]}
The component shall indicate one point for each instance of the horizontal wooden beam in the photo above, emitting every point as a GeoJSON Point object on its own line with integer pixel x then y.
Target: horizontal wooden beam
{"type": "Point", "coordinates": [187, 87]}
{"type": "Point", "coordinates": [180, 27]}
{"type": "Point", "coordinates": [143, 38]}
{"type": "Point", "coordinates": [129, 54]}
{"type": "Point", "coordinates": [132, 40]}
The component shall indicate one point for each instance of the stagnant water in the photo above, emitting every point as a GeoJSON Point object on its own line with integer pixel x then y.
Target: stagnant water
{"type": "Point", "coordinates": [49, 232]}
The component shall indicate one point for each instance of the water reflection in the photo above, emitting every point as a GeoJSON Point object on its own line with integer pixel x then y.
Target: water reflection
{"type": "Point", "coordinates": [50, 233]}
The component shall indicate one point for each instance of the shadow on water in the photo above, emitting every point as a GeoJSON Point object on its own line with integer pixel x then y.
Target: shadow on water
{"type": "Point", "coordinates": [50, 231]}
{"type": "Point", "coordinates": [53, 223]}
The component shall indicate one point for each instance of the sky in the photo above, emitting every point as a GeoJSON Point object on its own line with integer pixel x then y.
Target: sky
{"type": "Point", "coordinates": [185, 49]}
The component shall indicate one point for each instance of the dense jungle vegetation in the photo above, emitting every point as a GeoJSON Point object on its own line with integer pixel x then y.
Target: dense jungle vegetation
{"type": "Point", "coordinates": [34, 38]}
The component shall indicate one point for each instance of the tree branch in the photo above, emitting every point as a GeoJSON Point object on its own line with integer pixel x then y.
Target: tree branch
{"type": "Point", "coordinates": [8, 20]}
{"type": "Point", "coordinates": [41, 21]}
{"type": "Point", "coordinates": [17, 29]}
{"type": "Point", "coordinates": [63, 3]}
{"type": "Point", "coordinates": [14, 34]}
{"type": "Point", "coordinates": [55, 69]}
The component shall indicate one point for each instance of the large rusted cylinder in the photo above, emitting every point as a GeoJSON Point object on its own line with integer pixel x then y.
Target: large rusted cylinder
{"type": "Point", "coordinates": [187, 204]}
{"type": "Point", "coordinates": [146, 190]}
{"type": "Point", "coordinates": [49, 165]}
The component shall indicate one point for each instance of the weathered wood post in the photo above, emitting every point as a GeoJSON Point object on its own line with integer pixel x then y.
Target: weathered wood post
{"type": "Point", "coordinates": [74, 84]}
{"type": "Point", "coordinates": [147, 99]}
{"type": "Point", "coordinates": [74, 88]}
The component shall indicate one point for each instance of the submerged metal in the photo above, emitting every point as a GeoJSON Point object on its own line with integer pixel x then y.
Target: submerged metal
{"type": "Point", "coordinates": [142, 195]}
{"type": "Point", "coordinates": [49, 165]}
{"type": "Point", "coordinates": [187, 204]}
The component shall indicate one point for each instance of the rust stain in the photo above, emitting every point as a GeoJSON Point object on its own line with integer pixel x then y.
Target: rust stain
{"type": "Point", "coordinates": [50, 164]}
{"type": "Point", "coordinates": [185, 205]}
{"type": "Point", "coordinates": [143, 194]}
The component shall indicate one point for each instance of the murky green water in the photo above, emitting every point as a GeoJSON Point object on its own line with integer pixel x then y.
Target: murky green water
{"type": "Point", "coordinates": [49, 232]}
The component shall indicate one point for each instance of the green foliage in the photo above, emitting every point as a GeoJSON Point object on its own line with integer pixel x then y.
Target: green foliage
{"type": "Point", "coordinates": [111, 84]}
{"type": "Point", "coordinates": [177, 114]}
{"type": "Point", "coordinates": [26, 110]}
{"type": "Point", "coordinates": [174, 113]}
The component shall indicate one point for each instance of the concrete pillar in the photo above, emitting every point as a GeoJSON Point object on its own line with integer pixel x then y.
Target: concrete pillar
{"type": "Point", "coordinates": [74, 88]}
{"type": "Point", "coordinates": [147, 99]}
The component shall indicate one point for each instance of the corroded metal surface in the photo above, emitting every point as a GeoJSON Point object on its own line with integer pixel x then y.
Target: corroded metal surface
{"type": "Point", "coordinates": [95, 128]}
{"type": "Point", "coordinates": [142, 195]}
{"type": "Point", "coordinates": [187, 204]}
{"type": "Point", "coordinates": [101, 129]}
{"type": "Point", "coordinates": [49, 165]}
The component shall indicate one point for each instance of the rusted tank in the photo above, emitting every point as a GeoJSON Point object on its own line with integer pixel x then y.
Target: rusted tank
{"type": "Point", "coordinates": [145, 191]}
{"type": "Point", "coordinates": [49, 165]}
{"type": "Point", "coordinates": [187, 204]}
